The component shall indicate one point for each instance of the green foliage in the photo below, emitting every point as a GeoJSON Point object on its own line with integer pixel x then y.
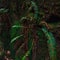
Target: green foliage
{"type": "Point", "coordinates": [15, 29]}
{"type": "Point", "coordinates": [14, 39]}
{"type": "Point", "coordinates": [3, 10]}
{"type": "Point", "coordinates": [51, 44]}
{"type": "Point", "coordinates": [27, 53]}
{"type": "Point", "coordinates": [33, 4]}
{"type": "Point", "coordinates": [15, 34]}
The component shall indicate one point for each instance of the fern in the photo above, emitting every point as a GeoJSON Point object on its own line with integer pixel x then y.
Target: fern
{"type": "Point", "coordinates": [14, 35]}
{"type": "Point", "coordinates": [33, 4]}
{"type": "Point", "coordinates": [51, 44]}
{"type": "Point", "coordinates": [14, 39]}
{"type": "Point", "coordinates": [27, 53]}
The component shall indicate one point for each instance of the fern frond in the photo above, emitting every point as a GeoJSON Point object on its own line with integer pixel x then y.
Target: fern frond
{"type": "Point", "coordinates": [51, 44]}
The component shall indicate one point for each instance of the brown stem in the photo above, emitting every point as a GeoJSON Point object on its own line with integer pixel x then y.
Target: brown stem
{"type": "Point", "coordinates": [35, 39]}
{"type": "Point", "coordinates": [26, 37]}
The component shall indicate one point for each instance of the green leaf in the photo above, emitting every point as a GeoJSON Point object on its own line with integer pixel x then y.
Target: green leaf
{"type": "Point", "coordinates": [35, 9]}
{"type": "Point", "coordinates": [3, 10]}
{"type": "Point", "coordinates": [16, 26]}
{"type": "Point", "coordinates": [14, 39]}
{"type": "Point", "coordinates": [51, 44]}
{"type": "Point", "coordinates": [27, 53]}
